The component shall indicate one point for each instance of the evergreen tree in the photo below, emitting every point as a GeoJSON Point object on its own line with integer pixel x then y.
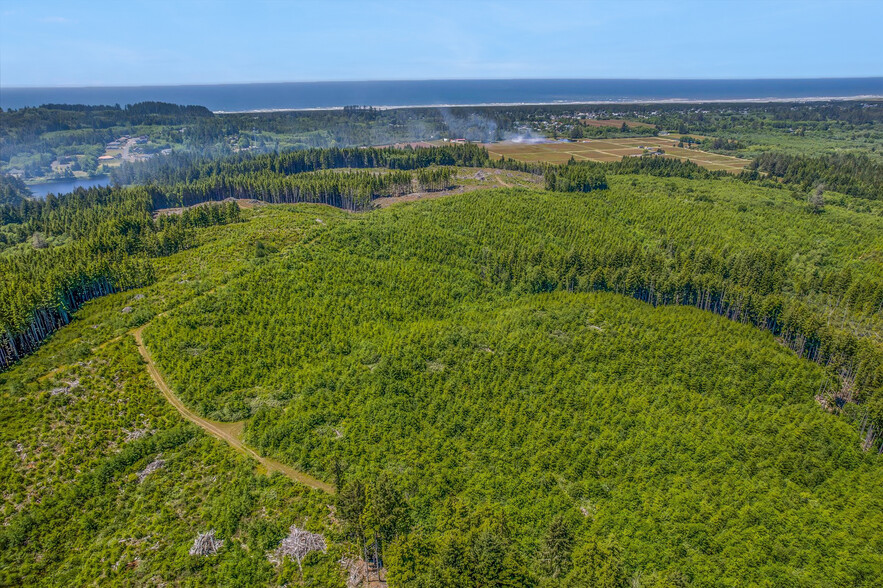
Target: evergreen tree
{"type": "Point", "coordinates": [596, 564]}
{"type": "Point", "coordinates": [556, 548]}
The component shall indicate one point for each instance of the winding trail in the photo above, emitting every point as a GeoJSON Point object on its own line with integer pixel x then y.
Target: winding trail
{"type": "Point", "coordinates": [229, 432]}
{"type": "Point", "coordinates": [501, 181]}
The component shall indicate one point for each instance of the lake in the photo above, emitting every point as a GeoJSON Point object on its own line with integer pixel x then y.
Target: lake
{"type": "Point", "coordinates": [65, 186]}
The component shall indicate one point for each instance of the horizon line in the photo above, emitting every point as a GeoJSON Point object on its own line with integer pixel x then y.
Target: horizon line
{"type": "Point", "coordinates": [627, 102]}
{"type": "Point", "coordinates": [465, 79]}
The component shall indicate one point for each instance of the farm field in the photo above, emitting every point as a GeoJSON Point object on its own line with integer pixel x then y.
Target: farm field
{"type": "Point", "coordinates": [612, 122]}
{"type": "Point", "coordinates": [605, 150]}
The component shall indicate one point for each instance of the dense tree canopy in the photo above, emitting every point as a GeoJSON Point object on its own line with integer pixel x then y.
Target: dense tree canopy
{"type": "Point", "coordinates": [856, 175]}
{"type": "Point", "coordinates": [494, 405]}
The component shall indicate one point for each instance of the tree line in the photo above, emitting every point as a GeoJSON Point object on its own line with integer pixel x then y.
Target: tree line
{"type": "Point", "coordinates": [112, 242]}
{"type": "Point", "coordinates": [350, 190]}
{"type": "Point", "coordinates": [13, 191]}
{"type": "Point", "coordinates": [575, 178]}
{"type": "Point", "coordinates": [853, 174]}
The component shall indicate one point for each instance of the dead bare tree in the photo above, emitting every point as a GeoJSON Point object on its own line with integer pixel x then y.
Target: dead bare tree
{"type": "Point", "coordinates": [151, 467]}
{"type": "Point", "coordinates": [357, 571]}
{"type": "Point", "coordinates": [297, 545]}
{"type": "Point", "coordinates": [206, 544]}
{"type": "Point", "coordinates": [815, 202]}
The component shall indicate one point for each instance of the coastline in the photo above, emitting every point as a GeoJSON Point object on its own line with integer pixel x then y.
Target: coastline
{"type": "Point", "coordinates": [767, 100]}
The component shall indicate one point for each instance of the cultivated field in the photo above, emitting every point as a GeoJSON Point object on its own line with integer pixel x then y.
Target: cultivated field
{"type": "Point", "coordinates": [612, 150]}
{"type": "Point", "coordinates": [612, 122]}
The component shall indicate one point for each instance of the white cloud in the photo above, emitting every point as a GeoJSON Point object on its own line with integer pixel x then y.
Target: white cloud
{"type": "Point", "coordinates": [57, 20]}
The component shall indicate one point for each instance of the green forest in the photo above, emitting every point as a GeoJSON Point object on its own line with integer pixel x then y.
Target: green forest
{"type": "Point", "coordinates": [630, 374]}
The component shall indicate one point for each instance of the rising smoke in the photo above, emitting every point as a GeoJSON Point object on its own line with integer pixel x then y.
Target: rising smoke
{"type": "Point", "coordinates": [472, 128]}
{"type": "Point", "coordinates": [476, 127]}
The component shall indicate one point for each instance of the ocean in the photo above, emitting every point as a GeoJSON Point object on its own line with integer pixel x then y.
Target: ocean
{"type": "Point", "coordinates": [310, 95]}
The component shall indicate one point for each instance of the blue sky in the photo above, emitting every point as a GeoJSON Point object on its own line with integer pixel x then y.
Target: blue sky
{"type": "Point", "coordinates": [131, 42]}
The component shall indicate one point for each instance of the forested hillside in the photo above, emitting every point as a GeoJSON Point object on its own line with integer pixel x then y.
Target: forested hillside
{"type": "Point", "coordinates": [93, 242]}
{"type": "Point", "coordinates": [647, 374]}
{"type": "Point", "coordinates": [54, 140]}
{"type": "Point", "coordinates": [104, 483]}
{"type": "Point", "coordinates": [12, 190]}
{"type": "Point", "coordinates": [112, 235]}
{"type": "Point", "coordinates": [856, 175]}
{"type": "Point", "coordinates": [47, 142]}
{"type": "Point", "coordinates": [418, 356]}
{"type": "Point", "coordinates": [81, 246]}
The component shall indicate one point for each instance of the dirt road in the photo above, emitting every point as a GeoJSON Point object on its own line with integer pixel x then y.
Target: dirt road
{"type": "Point", "coordinates": [501, 181]}
{"type": "Point", "coordinates": [228, 432]}
{"type": "Point", "coordinates": [129, 144]}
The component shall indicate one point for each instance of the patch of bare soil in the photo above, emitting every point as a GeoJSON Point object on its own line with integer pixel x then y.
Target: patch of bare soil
{"type": "Point", "coordinates": [245, 203]}
{"type": "Point", "coordinates": [390, 200]}
{"type": "Point", "coordinates": [480, 179]}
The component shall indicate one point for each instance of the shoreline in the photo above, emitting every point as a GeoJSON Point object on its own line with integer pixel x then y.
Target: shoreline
{"type": "Point", "coordinates": [767, 100]}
